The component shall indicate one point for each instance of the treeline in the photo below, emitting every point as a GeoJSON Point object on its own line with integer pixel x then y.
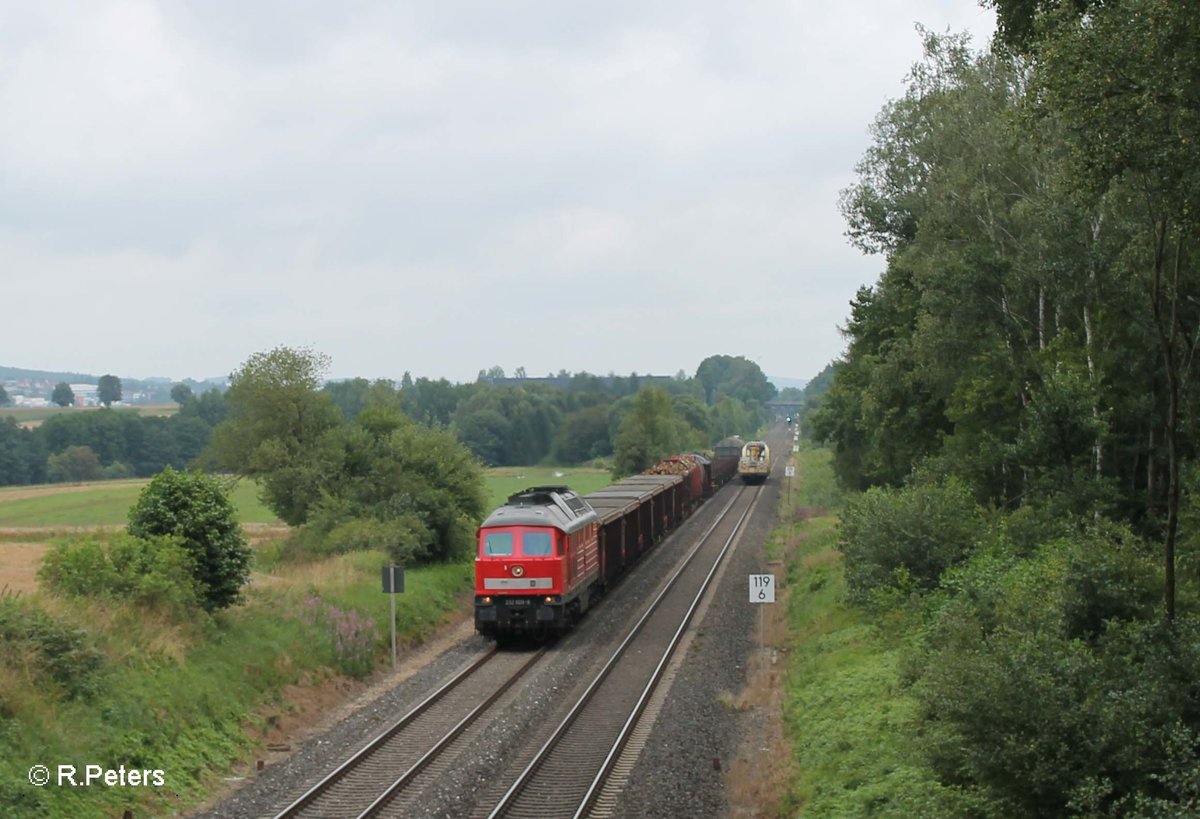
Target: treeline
{"type": "Point", "coordinates": [1018, 400]}
{"type": "Point", "coordinates": [509, 425]}
{"type": "Point", "coordinates": [108, 443]}
{"type": "Point", "coordinates": [502, 425]}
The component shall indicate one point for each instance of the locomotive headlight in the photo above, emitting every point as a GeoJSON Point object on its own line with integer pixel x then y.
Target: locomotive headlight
{"type": "Point", "coordinates": [486, 600]}
{"type": "Point", "coordinates": [547, 599]}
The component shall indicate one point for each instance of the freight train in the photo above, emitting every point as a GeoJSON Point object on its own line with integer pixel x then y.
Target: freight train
{"type": "Point", "coordinates": [548, 554]}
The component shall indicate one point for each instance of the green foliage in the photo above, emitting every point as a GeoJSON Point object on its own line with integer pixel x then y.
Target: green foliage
{"type": "Point", "coordinates": [509, 425]}
{"type": "Point", "coordinates": [73, 465]}
{"type": "Point", "coordinates": [194, 508]}
{"type": "Point", "coordinates": [108, 390]}
{"type": "Point", "coordinates": [856, 747]}
{"type": "Point", "coordinates": [181, 394]}
{"type": "Point", "coordinates": [61, 654]}
{"type": "Point", "coordinates": [735, 376]}
{"type": "Point", "coordinates": [155, 572]}
{"type": "Point", "coordinates": [184, 698]}
{"type": "Point", "coordinates": [583, 435]}
{"type": "Point", "coordinates": [22, 458]}
{"type": "Point", "coordinates": [1046, 684]}
{"type": "Point", "coordinates": [649, 432]}
{"type": "Point", "coordinates": [63, 395]}
{"type": "Point", "coordinates": [397, 485]}
{"type": "Point", "coordinates": [277, 417]}
{"type": "Point", "coordinates": [908, 536]}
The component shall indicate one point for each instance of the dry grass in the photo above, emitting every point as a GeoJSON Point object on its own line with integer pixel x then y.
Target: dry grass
{"type": "Point", "coordinates": [19, 564]}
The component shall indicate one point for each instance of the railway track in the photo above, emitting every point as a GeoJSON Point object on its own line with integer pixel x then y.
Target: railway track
{"type": "Point", "coordinates": [567, 773]}
{"type": "Point", "coordinates": [564, 769]}
{"type": "Point", "coordinates": [378, 776]}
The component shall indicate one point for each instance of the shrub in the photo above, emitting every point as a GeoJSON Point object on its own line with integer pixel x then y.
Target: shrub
{"type": "Point", "coordinates": [155, 572]}
{"type": "Point", "coordinates": [117, 470]}
{"type": "Point", "coordinates": [336, 527]}
{"type": "Point", "coordinates": [1048, 682]}
{"type": "Point", "coordinates": [907, 536]}
{"type": "Point", "coordinates": [194, 508]}
{"type": "Point", "coordinates": [57, 652]}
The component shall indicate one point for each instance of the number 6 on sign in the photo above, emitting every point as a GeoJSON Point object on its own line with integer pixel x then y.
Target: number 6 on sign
{"type": "Point", "coordinates": [762, 588]}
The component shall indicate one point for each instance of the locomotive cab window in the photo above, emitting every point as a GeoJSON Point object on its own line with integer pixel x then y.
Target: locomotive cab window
{"type": "Point", "coordinates": [537, 544]}
{"type": "Point", "coordinates": [497, 544]}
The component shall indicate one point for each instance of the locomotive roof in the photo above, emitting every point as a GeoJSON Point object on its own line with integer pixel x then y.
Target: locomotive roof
{"type": "Point", "coordinates": [556, 506]}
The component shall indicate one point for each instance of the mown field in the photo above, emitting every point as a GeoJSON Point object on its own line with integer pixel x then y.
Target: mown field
{"type": "Point", "coordinates": [106, 503]}
{"type": "Point", "coordinates": [100, 503]}
{"type": "Point", "coordinates": [504, 481]}
{"type": "Point", "coordinates": [28, 415]}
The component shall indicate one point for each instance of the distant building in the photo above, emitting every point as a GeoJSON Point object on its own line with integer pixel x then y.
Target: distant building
{"type": "Point", "coordinates": [85, 395]}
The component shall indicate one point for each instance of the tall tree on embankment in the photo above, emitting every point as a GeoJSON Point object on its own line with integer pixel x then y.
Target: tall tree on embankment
{"type": "Point", "coordinates": [379, 480]}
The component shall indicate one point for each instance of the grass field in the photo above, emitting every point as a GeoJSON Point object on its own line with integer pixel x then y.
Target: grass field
{"type": "Point", "coordinates": [505, 480]}
{"type": "Point", "coordinates": [106, 503]}
{"type": "Point", "coordinates": [24, 415]}
{"type": "Point", "coordinates": [100, 503]}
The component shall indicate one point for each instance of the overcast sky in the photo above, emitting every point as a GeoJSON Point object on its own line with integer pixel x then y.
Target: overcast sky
{"type": "Point", "coordinates": [439, 186]}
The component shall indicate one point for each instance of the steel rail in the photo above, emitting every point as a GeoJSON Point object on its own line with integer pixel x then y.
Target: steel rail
{"type": "Point", "coordinates": [433, 753]}
{"type": "Point", "coordinates": [338, 773]}
{"type": "Point", "coordinates": [636, 714]}
{"type": "Point", "coordinates": [522, 779]}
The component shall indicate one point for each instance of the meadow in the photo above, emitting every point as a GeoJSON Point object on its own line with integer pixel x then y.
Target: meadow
{"type": "Point", "coordinates": [106, 503]}
{"type": "Point", "coordinates": [31, 416]}
{"type": "Point", "coordinates": [101, 503]}
{"type": "Point", "coordinates": [506, 480]}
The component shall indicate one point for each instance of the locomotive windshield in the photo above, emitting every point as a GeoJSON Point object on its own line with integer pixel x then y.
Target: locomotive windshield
{"type": "Point", "coordinates": [498, 544]}
{"type": "Point", "coordinates": [537, 544]}
{"type": "Point", "coordinates": [517, 542]}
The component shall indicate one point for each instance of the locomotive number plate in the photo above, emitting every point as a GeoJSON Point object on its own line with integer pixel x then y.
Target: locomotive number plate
{"type": "Point", "coordinates": [517, 601]}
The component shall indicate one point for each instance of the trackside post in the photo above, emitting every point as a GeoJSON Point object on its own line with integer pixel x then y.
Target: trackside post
{"type": "Point", "coordinates": [393, 584]}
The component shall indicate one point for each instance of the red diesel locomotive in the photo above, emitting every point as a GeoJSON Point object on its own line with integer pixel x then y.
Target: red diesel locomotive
{"type": "Point", "coordinates": [548, 554]}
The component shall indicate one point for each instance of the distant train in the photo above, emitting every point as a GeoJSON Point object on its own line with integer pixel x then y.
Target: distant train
{"type": "Point", "coordinates": [755, 464]}
{"type": "Point", "coordinates": [548, 554]}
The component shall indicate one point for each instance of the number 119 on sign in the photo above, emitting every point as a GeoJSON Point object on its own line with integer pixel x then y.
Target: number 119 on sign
{"type": "Point", "coordinates": [762, 588]}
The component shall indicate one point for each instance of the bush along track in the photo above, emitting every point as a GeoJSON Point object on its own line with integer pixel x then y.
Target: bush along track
{"type": "Point", "coordinates": [148, 683]}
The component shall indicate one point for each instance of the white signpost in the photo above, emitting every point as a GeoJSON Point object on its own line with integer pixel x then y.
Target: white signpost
{"type": "Point", "coordinates": [789, 472]}
{"type": "Point", "coordinates": [762, 590]}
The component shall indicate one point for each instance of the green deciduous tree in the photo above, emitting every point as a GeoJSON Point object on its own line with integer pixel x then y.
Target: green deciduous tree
{"type": "Point", "coordinates": [649, 432]}
{"type": "Point", "coordinates": [108, 390]}
{"type": "Point", "coordinates": [63, 395]}
{"type": "Point", "coordinates": [277, 418]}
{"type": "Point", "coordinates": [395, 484]}
{"type": "Point", "coordinates": [194, 508]}
{"type": "Point", "coordinates": [181, 394]}
{"type": "Point", "coordinates": [733, 376]}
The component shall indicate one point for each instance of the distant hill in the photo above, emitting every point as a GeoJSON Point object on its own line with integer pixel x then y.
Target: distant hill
{"type": "Point", "coordinates": [18, 374]}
